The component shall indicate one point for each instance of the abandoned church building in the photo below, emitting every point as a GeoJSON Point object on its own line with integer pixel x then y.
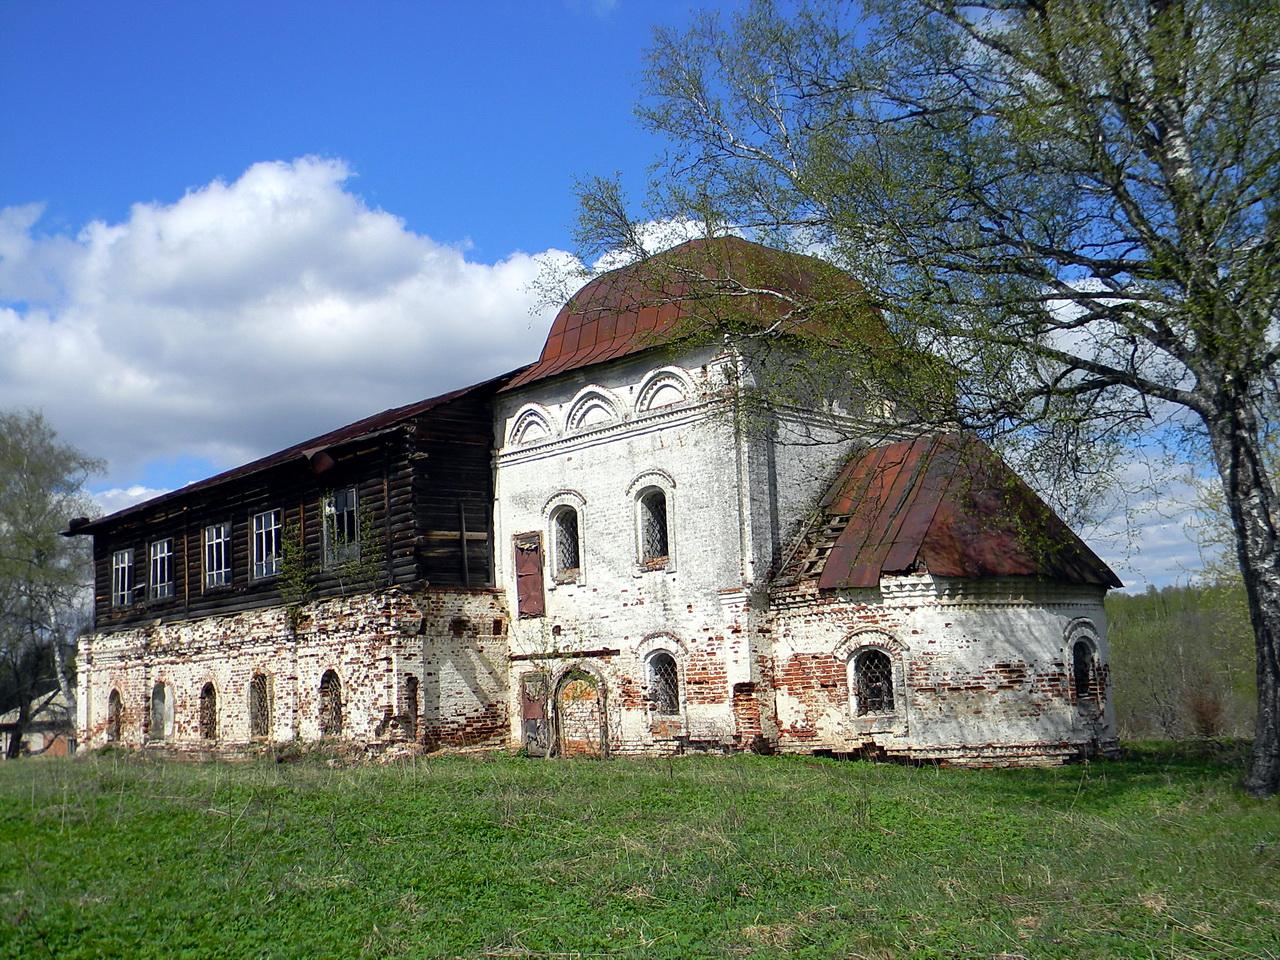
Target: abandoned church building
{"type": "Point", "coordinates": [590, 555]}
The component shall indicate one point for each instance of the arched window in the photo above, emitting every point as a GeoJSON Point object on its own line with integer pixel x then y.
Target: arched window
{"type": "Point", "coordinates": [664, 683]}
{"type": "Point", "coordinates": [330, 705]}
{"type": "Point", "coordinates": [208, 712]}
{"type": "Point", "coordinates": [1082, 670]}
{"type": "Point", "coordinates": [411, 706]}
{"type": "Point", "coordinates": [161, 713]}
{"type": "Point", "coordinates": [873, 682]}
{"type": "Point", "coordinates": [567, 546]}
{"type": "Point", "coordinates": [654, 543]}
{"type": "Point", "coordinates": [259, 707]}
{"type": "Point", "coordinates": [115, 716]}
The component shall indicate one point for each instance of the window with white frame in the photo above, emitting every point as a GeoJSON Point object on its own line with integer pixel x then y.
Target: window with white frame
{"type": "Point", "coordinates": [122, 578]}
{"type": "Point", "coordinates": [655, 547]}
{"type": "Point", "coordinates": [341, 527]}
{"type": "Point", "coordinates": [160, 586]}
{"type": "Point", "coordinates": [267, 554]}
{"type": "Point", "coordinates": [566, 554]}
{"type": "Point", "coordinates": [217, 555]}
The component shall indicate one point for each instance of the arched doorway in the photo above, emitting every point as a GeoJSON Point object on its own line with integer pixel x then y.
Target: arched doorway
{"type": "Point", "coordinates": [580, 715]}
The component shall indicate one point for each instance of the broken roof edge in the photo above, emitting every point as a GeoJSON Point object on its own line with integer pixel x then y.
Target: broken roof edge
{"type": "Point", "coordinates": [309, 450]}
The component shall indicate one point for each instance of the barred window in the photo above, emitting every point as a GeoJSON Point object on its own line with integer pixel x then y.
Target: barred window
{"type": "Point", "coordinates": [341, 527]}
{"type": "Point", "coordinates": [217, 555]}
{"type": "Point", "coordinates": [1082, 669]}
{"type": "Point", "coordinates": [266, 544]}
{"type": "Point", "coordinates": [115, 716]}
{"type": "Point", "coordinates": [161, 584]}
{"type": "Point", "coordinates": [259, 707]}
{"type": "Point", "coordinates": [653, 527]}
{"type": "Point", "coordinates": [873, 679]}
{"type": "Point", "coordinates": [209, 712]}
{"type": "Point", "coordinates": [568, 555]}
{"type": "Point", "coordinates": [330, 705]}
{"type": "Point", "coordinates": [664, 683]}
{"type": "Point", "coordinates": [122, 578]}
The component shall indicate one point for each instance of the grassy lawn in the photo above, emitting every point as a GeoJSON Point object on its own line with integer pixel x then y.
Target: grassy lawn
{"type": "Point", "coordinates": [1156, 855]}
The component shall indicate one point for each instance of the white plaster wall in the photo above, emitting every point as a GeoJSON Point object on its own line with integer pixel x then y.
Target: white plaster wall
{"type": "Point", "coordinates": [982, 668]}
{"type": "Point", "coordinates": [691, 449]}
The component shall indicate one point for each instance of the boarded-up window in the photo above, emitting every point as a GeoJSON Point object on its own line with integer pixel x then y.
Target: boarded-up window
{"type": "Point", "coordinates": [259, 706]}
{"type": "Point", "coordinates": [209, 713]}
{"type": "Point", "coordinates": [330, 705]}
{"type": "Point", "coordinates": [115, 716]}
{"type": "Point", "coordinates": [530, 599]}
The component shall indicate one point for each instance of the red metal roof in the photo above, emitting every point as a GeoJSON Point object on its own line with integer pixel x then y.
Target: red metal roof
{"type": "Point", "coordinates": [652, 302]}
{"type": "Point", "coordinates": [947, 505]}
{"type": "Point", "coordinates": [309, 450]}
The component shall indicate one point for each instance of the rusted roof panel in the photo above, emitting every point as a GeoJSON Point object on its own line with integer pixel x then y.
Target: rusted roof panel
{"type": "Point", "coordinates": [648, 304]}
{"type": "Point", "coordinates": [307, 449]}
{"type": "Point", "coordinates": [946, 504]}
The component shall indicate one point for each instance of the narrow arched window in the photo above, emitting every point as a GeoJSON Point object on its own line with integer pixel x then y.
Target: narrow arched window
{"type": "Point", "coordinates": [259, 707]}
{"type": "Point", "coordinates": [330, 705]}
{"type": "Point", "coordinates": [411, 706]}
{"type": "Point", "coordinates": [160, 713]}
{"type": "Point", "coordinates": [567, 553]}
{"type": "Point", "coordinates": [208, 712]}
{"type": "Point", "coordinates": [873, 679]}
{"type": "Point", "coordinates": [664, 683]}
{"type": "Point", "coordinates": [654, 543]}
{"type": "Point", "coordinates": [115, 716]}
{"type": "Point", "coordinates": [1082, 669]}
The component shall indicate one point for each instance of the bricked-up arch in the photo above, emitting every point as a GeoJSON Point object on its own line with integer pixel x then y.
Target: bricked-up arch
{"type": "Point", "coordinates": [330, 705]}
{"type": "Point", "coordinates": [115, 716]}
{"type": "Point", "coordinates": [580, 714]}
{"type": "Point", "coordinates": [259, 707]}
{"type": "Point", "coordinates": [208, 712]}
{"type": "Point", "coordinates": [161, 727]}
{"type": "Point", "coordinates": [411, 706]}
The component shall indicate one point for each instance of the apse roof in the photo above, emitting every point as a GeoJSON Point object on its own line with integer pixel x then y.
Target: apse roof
{"type": "Point", "coordinates": [944, 504]}
{"type": "Point", "coordinates": [648, 303]}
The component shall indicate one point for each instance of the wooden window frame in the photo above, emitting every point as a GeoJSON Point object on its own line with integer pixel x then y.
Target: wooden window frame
{"type": "Point", "coordinates": [160, 568]}
{"type": "Point", "coordinates": [267, 530]}
{"type": "Point", "coordinates": [216, 547]}
{"type": "Point", "coordinates": [122, 577]}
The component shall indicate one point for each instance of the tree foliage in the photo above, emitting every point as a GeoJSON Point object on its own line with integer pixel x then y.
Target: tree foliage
{"type": "Point", "coordinates": [1071, 204]}
{"type": "Point", "coordinates": [42, 574]}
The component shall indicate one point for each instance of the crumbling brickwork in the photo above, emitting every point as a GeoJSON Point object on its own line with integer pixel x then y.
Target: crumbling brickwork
{"type": "Point", "coordinates": [372, 642]}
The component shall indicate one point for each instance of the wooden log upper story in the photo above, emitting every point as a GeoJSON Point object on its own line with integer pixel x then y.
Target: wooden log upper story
{"type": "Point", "coordinates": [404, 497]}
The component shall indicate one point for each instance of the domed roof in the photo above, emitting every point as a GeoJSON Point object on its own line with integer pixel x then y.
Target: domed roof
{"type": "Point", "coordinates": [675, 293]}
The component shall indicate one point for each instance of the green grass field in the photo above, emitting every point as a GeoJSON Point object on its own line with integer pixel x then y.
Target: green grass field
{"type": "Point", "coordinates": [1158, 855]}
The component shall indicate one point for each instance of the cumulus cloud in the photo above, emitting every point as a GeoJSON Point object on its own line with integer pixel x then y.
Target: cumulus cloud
{"type": "Point", "coordinates": [246, 316]}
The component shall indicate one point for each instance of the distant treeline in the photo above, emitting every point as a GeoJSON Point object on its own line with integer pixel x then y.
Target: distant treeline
{"type": "Point", "coordinates": [1182, 662]}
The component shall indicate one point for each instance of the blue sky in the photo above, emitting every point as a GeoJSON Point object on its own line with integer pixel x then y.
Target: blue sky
{"type": "Point", "coordinates": [225, 227]}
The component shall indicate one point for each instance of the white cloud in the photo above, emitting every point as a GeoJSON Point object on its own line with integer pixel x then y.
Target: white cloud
{"type": "Point", "coordinates": [246, 316]}
{"type": "Point", "coordinates": [117, 498]}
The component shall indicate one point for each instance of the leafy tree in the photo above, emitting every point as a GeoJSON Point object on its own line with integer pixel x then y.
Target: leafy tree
{"type": "Point", "coordinates": [42, 575]}
{"type": "Point", "coordinates": [1070, 204]}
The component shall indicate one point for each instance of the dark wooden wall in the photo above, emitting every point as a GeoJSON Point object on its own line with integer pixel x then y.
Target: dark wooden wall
{"type": "Point", "coordinates": [419, 482]}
